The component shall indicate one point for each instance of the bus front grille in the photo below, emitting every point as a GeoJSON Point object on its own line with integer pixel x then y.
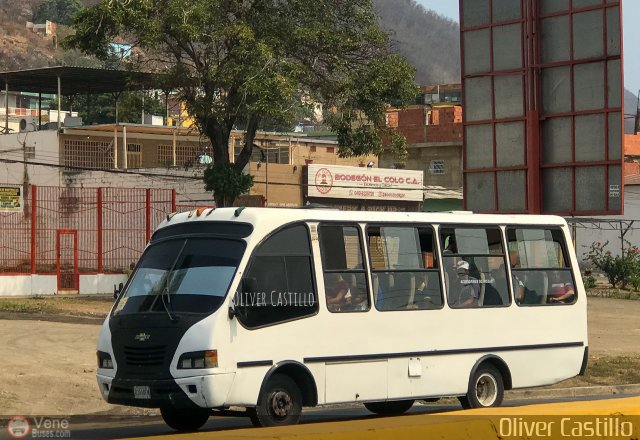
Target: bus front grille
{"type": "Point", "coordinates": [145, 356]}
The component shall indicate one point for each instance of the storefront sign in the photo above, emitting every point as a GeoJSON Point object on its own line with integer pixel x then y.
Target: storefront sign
{"type": "Point", "coordinates": [339, 182]}
{"type": "Point", "coordinates": [11, 199]}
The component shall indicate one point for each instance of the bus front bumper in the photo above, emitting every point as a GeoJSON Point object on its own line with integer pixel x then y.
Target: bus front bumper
{"type": "Point", "coordinates": [208, 391]}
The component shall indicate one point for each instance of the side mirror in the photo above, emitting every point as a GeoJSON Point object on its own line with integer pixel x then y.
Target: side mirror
{"type": "Point", "coordinates": [117, 290]}
{"type": "Point", "coordinates": [247, 285]}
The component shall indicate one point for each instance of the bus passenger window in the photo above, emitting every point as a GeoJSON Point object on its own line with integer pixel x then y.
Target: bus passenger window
{"type": "Point", "coordinates": [475, 267]}
{"type": "Point", "coordinates": [404, 268]}
{"type": "Point", "coordinates": [278, 285]}
{"type": "Point", "coordinates": [345, 281]}
{"type": "Point", "coordinates": [541, 273]}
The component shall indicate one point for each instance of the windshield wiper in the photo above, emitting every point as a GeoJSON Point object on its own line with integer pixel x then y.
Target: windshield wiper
{"type": "Point", "coordinates": [165, 288]}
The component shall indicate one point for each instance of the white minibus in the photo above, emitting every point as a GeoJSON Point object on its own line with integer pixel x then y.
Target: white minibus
{"type": "Point", "coordinates": [262, 312]}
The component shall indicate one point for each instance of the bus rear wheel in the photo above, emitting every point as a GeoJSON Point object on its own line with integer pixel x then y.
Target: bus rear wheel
{"type": "Point", "coordinates": [389, 408]}
{"type": "Point", "coordinates": [185, 420]}
{"type": "Point", "coordinates": [279, 404]}
{"type": "Point", "coordinates": [486, 389]}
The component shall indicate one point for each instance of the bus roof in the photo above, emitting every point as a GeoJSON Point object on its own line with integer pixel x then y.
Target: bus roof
{"type": "Point", "coordinates": [274, 217]}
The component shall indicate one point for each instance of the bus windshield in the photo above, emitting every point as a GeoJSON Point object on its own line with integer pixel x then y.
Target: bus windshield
{"type": "Point", "coordinates": [182, 275]}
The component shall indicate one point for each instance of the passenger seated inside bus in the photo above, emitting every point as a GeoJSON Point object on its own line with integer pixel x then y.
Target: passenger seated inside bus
{"type": "Point", "coordinates": [336, 290]}
{"type": "Point", "coordinates": [357, 301]}
{"type": "Point", "coordinates": [560, 287]}
{"type": "Point", "coordinates": [536, 286]}
{"type": "Point", "coordinates": [494, 283]}
{"type": "Point", "coordinates": [516, 281]}
{"type": "Point", "coordinates": [464, 290]}
{"type": "Point", "coordinates": [428, 294]}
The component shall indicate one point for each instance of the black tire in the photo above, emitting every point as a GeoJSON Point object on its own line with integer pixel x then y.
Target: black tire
{"type": "Point", "coordinates": [185, 420]}
{"type": "Point", "coordinates": [389, 408]}
{"type": "Point", "coordinates": [486, 389]}
{"type": "Point", "coordinates": [279, 404]}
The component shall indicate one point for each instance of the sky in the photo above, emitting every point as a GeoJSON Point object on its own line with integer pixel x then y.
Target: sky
{"type": "Point", "coordinates": [630, 10]}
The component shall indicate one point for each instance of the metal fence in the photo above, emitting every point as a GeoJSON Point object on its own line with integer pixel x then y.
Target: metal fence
{"type": "Point", "coordinates": [103, 230]}
{"type": "Point", "coordinates": [618, 233]}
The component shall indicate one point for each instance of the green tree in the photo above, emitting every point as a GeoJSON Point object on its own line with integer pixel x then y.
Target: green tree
{"type": "Point", "coordinates": [102, 109]}
{"type": "Point", "coordinates": [245, 64]}
{"type": "Point", "coordinates": [59, 11]}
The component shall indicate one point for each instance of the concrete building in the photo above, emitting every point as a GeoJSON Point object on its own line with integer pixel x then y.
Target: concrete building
{"type": "Point", "coordinates": [433, 128]}
{"type": "Point", "coordinates": [154, 157]}
{"type": "Point", "coordinates": [631, 154]}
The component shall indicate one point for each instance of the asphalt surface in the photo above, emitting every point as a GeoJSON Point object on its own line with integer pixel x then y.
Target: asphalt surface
{"type": "Point", "coordinates": [99, 427]}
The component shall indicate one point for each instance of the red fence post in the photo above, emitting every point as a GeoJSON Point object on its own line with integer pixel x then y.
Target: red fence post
{"type": "Point", "coordinates": [34, 226]}
{"type": "Point", "coordinates": [173, 200]}
{"type": "Point", "coordinates": [148, 215]}
{"type": "Point", "coordinates": [99, 215]}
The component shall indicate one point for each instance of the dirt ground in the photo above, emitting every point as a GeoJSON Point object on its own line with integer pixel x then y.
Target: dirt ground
{"type": "Point", "coordinates": [614, 326]}
{"type": "Point", "coordinates": [49, 367]}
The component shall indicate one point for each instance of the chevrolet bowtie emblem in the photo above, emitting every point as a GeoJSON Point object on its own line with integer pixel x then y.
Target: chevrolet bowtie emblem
{"type": "Point", "coordinates": [142, 337]}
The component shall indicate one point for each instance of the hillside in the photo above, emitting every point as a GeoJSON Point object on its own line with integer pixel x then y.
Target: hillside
{"type": "Point", "coordinates": [436, 61]}
{"type": "Point", "coordinates": [20, 49]}
{"type": "Point", "coordinates": [427, 40]}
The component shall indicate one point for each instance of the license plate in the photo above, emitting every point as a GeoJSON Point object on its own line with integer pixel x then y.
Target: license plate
{"type": "Point", "coordinates": [142, 392]}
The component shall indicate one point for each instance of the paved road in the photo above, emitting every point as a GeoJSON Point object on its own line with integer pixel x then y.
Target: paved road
{"type": "Point", "coordinates": [109, 427]}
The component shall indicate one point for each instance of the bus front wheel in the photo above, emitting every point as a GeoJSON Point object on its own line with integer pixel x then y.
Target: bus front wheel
{"type": "Point", "coordinates": [486, 388]}
{"type": "Point", "coordinates": [389, 408]}
{"type": "Point", "coordinates": [185, 420]}
{"type": "Point", "coordinates": [279, 404]}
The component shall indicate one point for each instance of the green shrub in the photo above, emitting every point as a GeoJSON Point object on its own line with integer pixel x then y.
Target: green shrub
{"type": "Point", "coordinates": [618, 269]}
{"type": "Point", "coordinates": [634, 279]}
{"type": "Point", "coordinates": [589, 282]}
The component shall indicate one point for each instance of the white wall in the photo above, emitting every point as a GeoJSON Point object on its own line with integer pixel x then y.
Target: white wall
{"type": "Point", "coordinates": [188, 184]}
{"type": "Point", "coordinates": [36, 285]}
{"type": "Point", "coordinates": [28, 285]}
{"type": "Point", "coordinates": [589, 234]}
{"type": "Point", "coordinates": [101, 283]}
{"type": "Point", "coordinates": [45, 144]}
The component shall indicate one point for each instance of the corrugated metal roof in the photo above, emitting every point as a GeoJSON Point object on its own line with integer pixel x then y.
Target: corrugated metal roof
{"type": "Point", "coordinates": [77, 80]}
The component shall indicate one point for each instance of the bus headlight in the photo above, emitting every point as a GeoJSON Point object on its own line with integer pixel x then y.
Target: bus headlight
{"type": "Point", "coordinates": [198, 360]}
{"type": "Point", "coordinates": [104, 360]}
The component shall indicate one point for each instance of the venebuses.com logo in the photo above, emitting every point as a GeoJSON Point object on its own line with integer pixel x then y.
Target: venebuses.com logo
{"type": "Point", "coordinates": [38, 427]}
{"type": "Point", "coordinates": [18, 427]}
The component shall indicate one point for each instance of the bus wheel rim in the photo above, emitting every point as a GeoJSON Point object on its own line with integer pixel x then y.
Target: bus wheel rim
{"type": "Point", "coordinates": [486, 390]}
{"type": "Point", "coordinates": [281, 404]}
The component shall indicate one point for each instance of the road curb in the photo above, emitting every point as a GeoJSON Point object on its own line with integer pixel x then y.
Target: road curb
{"type": "Point", "coordinates": [547, 393]}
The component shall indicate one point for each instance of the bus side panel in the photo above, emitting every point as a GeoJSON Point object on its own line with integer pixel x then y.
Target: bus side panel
{"type": "Point", "coordinates": [356, 381]}
{"type": "Point", "coordinates": [543, 367]}
{"type": "Point", "coordinates": [246, 386]}
{"type": "Point", "coordinates": [429, 376]}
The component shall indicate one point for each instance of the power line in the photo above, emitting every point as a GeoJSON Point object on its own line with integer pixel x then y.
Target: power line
{"type": "Point", "coordinates": [104, 170]}
{"type": "Point", "coordinates": [174, 177]}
